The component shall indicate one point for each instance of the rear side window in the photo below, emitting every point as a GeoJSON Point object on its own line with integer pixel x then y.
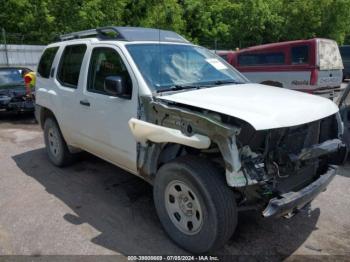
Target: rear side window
{"type": "Point", "coordinates": [300, 54]}
{"type": "Point", "coordinates": [261, 59]}
{"type": "Point", "coordinates": [46, 61]}
{"type": "Point", "coordinates": [70, 64]}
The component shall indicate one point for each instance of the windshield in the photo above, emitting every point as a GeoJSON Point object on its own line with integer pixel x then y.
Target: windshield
{"type": "Point", "coordinates": [11, 77]}
{"type": "Point", "coordinates": [170, 65]}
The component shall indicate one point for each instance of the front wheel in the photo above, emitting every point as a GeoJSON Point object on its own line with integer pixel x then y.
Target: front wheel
{"type": "Point", "coordinates": [195, 206]}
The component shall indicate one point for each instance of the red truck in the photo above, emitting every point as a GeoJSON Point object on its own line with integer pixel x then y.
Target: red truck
{"type": "Point", "coordinates": [314, 66]}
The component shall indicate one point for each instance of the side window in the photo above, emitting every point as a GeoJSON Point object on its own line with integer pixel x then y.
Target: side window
{"type": "Point", "coordinates": [300, 54]}
{"type": "Point", "coordinates": [46, 61]}
{"type": "Point", "coordinates": [70, 64]}
{"type": "Point", "coordinates": [106, 62]}
{"type": "Point", "coordinates": [261, 59]}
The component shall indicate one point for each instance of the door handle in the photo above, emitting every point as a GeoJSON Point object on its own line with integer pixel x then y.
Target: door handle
{"type": "Point", "coordinates": [84, 102]}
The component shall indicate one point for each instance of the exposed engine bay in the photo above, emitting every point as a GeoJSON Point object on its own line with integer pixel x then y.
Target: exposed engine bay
{"type": "Point", "coordinates": [288, 159]}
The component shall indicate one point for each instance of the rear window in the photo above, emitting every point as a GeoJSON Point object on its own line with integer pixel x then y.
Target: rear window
{"type": "Point", "coordinates": [261, 59]}
{"type": "Point", "coordinates": [46, 61]}
{"type": "Point", "coordinates": [70, 64]}
{"type": "Point", "coordinates": [300, 54]}
{"type": "Point", "coordinates": [328, 55]}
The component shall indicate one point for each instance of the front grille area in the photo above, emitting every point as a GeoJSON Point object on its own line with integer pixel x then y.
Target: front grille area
{"type": "Point", "coordinates": [284, 147]}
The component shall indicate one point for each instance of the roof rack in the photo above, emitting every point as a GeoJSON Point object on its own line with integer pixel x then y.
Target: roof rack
{"type": "Point", "coordinates": [102, 33]}
{"type": "Point", "coordinates": [126, 34]}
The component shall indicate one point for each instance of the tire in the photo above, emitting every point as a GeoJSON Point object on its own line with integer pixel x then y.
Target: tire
{"type": "Point", "coordinates": [214, 211]}
{"type": "Point", "coordinates": [56, 146]}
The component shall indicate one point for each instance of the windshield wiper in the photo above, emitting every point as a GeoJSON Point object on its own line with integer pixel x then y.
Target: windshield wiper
{"type": "Point", "coordinates": [178, 87]}
{"type": "Point", "coordinates": [209, 84]}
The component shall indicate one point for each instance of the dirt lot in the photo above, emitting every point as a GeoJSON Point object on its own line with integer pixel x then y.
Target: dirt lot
{"type": "Point", "coordinates": [96, 208]}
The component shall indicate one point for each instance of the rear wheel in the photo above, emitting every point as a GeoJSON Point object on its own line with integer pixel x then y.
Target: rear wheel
{"type": "Point", "coordinates": [195, 206]}
{"type": "Point", "coordinates": [56, 146]}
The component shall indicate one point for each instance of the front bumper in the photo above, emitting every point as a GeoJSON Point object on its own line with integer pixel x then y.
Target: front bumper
{"type": "Point", "coordinates": [26, 105]}
{"type": "Point", "coordinates": [293, 201]}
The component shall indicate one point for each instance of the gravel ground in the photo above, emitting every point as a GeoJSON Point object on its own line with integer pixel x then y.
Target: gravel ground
{"type": "Point", "coordinates": [94, 208]}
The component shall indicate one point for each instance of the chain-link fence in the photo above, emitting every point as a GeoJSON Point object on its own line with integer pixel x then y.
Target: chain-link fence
{"type": "Point", "coordinates": [14, 53]}
{"type": "Point", "coordinates": [226, 45]}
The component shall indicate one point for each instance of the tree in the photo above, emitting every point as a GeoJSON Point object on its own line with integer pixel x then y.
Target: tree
{"type": "Point", "coordinates": [164, 14]}
{"type": "Point", "coordinates": [30, 18]}
{"type": "Point", "coordinates": [324, 18]}
{"type": "Point", "coordinates": [210, 20]}
{"type": "Point", "coordinates": [229, 23]}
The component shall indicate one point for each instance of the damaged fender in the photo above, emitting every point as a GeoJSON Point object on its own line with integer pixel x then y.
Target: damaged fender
{"type": "Point", "coordinates": [162, 123]}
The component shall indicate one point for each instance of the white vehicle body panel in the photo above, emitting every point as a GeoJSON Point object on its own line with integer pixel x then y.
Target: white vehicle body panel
{"type": "Point", "coordinates": [298, 79]}
{"type": "Point", "coordinates": [102, 128]}
{"type": "Point", "coordinates": [288, 79]}
{"type": "Point", "coordinates": [329, 78]}
{"type": "Point", "coordinates": [264, 107]}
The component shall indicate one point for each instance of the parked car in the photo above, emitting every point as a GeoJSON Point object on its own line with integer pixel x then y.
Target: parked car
{"type": "Point", "coordinates": [14, 95]}
{"type": "Point", "coordinates": [345, 55]}
{"type": "Point", "coordinates": [313, 66]}
{"type": "Point", "coordinates": [173, 113]}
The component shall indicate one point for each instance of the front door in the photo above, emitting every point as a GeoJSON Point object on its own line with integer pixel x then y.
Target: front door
{"type": "Point", "coordinates": [104, 118]}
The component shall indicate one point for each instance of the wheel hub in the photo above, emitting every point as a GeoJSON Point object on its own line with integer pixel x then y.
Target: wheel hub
{"type": "Point", "coordinates": [183, 207]}
{"type": "Point", "coordinates": [53, 141]}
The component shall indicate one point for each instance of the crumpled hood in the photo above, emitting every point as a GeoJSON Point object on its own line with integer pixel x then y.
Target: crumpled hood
{"type": "Point", "coordinates": [264, 107]}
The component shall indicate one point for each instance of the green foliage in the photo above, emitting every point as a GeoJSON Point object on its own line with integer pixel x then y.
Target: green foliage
{"type": "Point", "coordinates": [229, 23]}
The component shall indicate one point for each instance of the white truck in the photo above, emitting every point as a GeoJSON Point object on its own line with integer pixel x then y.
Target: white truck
{"type": "Point", "coordinates": [183, 119]}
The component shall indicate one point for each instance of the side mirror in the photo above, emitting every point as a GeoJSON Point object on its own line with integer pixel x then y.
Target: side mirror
{"type": "Point", "coordinates": [115, 86]}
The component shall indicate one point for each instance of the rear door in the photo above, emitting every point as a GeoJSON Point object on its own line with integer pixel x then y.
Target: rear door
{"type": "Point", "coordinates": [69, 84]}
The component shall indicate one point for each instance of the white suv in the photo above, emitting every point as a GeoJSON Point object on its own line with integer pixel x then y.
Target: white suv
{"type": "Point", "coordinates": [180, 117]}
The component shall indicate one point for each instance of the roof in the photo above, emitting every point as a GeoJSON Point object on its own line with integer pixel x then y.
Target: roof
{"type": "Point", "coordinates": [271, 45]}
{"type": "Point", "coordinates": [126, 34]}
{"type": "Point", "coordinates": [285, 43]}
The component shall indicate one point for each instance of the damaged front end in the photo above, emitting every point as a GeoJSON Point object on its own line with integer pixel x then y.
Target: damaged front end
{"type": "Point", "coordinates": [284, 169]}
{"type": "Point", "coordinates": [276, 171]}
